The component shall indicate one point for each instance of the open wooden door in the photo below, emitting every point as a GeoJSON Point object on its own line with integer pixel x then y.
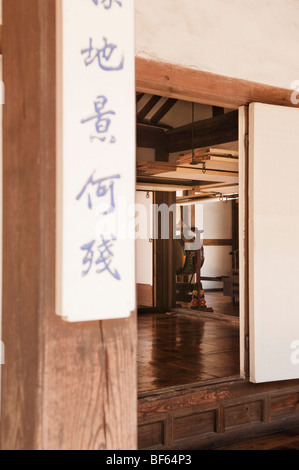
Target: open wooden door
{"type": "Point", "coordinates": [273, 242]}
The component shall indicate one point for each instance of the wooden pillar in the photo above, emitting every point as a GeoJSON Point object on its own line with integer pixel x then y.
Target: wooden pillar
{"type": "Point", "coordinates": [64, 386]}
{"type": "Point", "coordinates": [164, 257]}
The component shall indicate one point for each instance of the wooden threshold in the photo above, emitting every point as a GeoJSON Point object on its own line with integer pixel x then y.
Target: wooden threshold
{"type": "Point", "coordinates": [214, 415]}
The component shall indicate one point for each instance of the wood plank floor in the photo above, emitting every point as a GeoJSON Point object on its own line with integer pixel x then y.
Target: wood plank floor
{"type": "Point", "coordinates": [176, 350]}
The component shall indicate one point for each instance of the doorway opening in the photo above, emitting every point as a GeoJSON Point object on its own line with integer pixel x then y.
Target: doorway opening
{"type": "Point", "coordinates": [187, 274]}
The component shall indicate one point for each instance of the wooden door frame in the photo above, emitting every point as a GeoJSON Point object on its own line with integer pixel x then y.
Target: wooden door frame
{"type": "Point", "coordinates": [226, 402]}
{"type": "Point", "coordinates": [173, 81]}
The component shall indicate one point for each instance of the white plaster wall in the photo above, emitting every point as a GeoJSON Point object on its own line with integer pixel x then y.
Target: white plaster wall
{"type": "Point", "coordinates": [217, 220]}
{"type": "Point", "coordinates": [256, 40]}
{"type": "Point", "coordinates": [217, 224]}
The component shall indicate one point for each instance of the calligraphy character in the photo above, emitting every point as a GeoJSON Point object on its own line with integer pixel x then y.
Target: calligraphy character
{"type": "Point", "coordinates": [102, 55]}
{"type": "Point", "coordinates": [104, 260]}
{"type": "Point", "coordinates": [103, 187]}
{"type": "Point", "coordinates": [107, 3]}
{"type": "Point", "coordinates": [102, 121]}
{"type": "Point", "coordinates": [88, 259]}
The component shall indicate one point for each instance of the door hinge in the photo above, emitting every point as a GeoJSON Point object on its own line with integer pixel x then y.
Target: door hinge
{"type": "Point", "coordinates": [247, 342]}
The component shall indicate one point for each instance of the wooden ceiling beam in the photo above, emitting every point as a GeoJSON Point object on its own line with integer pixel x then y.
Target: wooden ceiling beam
{"type": "Point", "coordinates": [174, 81]}
{"type": "Point", "coordinates": [208, 132]}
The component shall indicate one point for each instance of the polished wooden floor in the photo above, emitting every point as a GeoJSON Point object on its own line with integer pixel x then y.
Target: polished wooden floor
{"type": "Point", "coordinates": [176, 349]}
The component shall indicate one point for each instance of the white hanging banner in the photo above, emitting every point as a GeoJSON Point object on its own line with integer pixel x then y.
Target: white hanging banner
{"type": "Point", "coordinates": [95, 251]}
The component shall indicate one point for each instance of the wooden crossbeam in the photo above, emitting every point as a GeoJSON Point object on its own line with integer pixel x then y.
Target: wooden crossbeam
{"type": "Point", "coordinates": [218, 130]}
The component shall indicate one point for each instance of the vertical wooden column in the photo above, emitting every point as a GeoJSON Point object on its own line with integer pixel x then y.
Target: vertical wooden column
{"type": "Point", "coordinates": [164, 258]}
{"type": "Point", "coordinates": [64, 386]}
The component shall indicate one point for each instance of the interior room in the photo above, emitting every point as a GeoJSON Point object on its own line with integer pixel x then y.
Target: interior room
{"type": "Point", "coordinates": [187, 277]}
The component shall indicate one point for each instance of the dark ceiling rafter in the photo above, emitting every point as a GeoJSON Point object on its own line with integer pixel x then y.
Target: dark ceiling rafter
{"type": "Point", "coordinates": [141, 115]}
{"type": "Point", "coordinates": [156, 118]}
{"type": "Point", "coordinates": [139, 96]}
{"type": "Point", "coordinates": [159, 113]}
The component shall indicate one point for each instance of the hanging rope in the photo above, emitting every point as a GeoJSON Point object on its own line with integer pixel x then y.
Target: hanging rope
{"type": "Point", "coordinates": [192, 162]}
